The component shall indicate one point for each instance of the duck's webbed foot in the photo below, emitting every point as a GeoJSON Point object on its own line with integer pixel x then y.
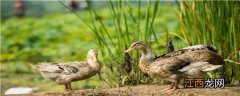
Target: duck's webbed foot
{"type": "Point", "coordinates": [166, 89]}
{"type": "Point", "coordinates": [170, 91]}
{"type": "Point", "coordinates": [174, 87]}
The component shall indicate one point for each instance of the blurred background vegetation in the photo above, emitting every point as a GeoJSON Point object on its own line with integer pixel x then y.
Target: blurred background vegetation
{"type": "Point", "coordinates": [53, 32]}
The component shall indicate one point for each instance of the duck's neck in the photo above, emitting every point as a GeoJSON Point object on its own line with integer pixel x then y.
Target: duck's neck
{"type": "Point", "coordinates": [94, 63]}
{"type": "Point", "coordinates": [145, 59]}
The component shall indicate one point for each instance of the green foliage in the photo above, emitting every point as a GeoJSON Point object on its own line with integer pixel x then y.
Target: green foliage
{"type": "Point", "coordinates": [216, 23]}
{"type": "Point", "coordinates": [52, 38]}
{"type": "Point", "coordinates": [126, 23]}
{"type": "Point", "coordinates": [46, 39]}
{"type": "Point", "coordinates": [63, 38]}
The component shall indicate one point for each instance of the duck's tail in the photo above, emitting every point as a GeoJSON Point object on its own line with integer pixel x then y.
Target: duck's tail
{"type": "Point", "coordinates": [46, 67]}
{"type": "Point", "coordinates": [196, 69]}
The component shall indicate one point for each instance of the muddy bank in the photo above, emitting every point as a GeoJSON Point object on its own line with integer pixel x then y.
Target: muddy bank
{"type": "Point", "coordinates": [146, 90]}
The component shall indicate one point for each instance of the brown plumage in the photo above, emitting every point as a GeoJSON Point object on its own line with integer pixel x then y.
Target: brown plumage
{"type": "Point", "coordinates": [65, 73]}
{"type": "Point", "coordinates": [188, 62]}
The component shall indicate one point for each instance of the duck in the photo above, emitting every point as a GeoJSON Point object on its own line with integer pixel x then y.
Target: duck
{"type": "Point", "coordinates": [65, 73]}
{"type": "Point", "coordinates": [189, 62]}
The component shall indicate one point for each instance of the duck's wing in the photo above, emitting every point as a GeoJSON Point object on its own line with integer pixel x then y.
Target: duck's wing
{"type": "Point", "coordinates": [175, 65]}
{"type": "Point", "coordinates": [187, 49]}
{"type": "Point", "coordinates": [171, 54]}
{"type": "Point", "coordinates": [63, 68]}
{"type": "Point", "coordinates": [200, 47]}
{"type": "Point", "coordinates": [194, 69]}
{"type": "Point", "coordinates": [170, 65]}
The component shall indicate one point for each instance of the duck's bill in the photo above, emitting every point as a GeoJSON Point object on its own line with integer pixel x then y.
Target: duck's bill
{"type": "Point", "coordinates": [128, 50]}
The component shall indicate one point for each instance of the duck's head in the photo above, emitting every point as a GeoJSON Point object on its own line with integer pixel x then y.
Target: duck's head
{"type": "Point", "coordinates": [92, 60]}
{"type": "Point", "coordinates": [92, 54]}
{"type": "Point", "coordinates": [140, 45]}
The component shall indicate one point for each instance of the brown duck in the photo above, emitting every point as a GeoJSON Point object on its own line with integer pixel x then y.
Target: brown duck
{"type": "Point", "coordinates": [188, 62]}
{"type": "Point", "coordinates": [65, 73]}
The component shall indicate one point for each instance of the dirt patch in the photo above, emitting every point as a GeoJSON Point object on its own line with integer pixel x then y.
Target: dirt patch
{"type": "Point", "coordinates": [147, 90]}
